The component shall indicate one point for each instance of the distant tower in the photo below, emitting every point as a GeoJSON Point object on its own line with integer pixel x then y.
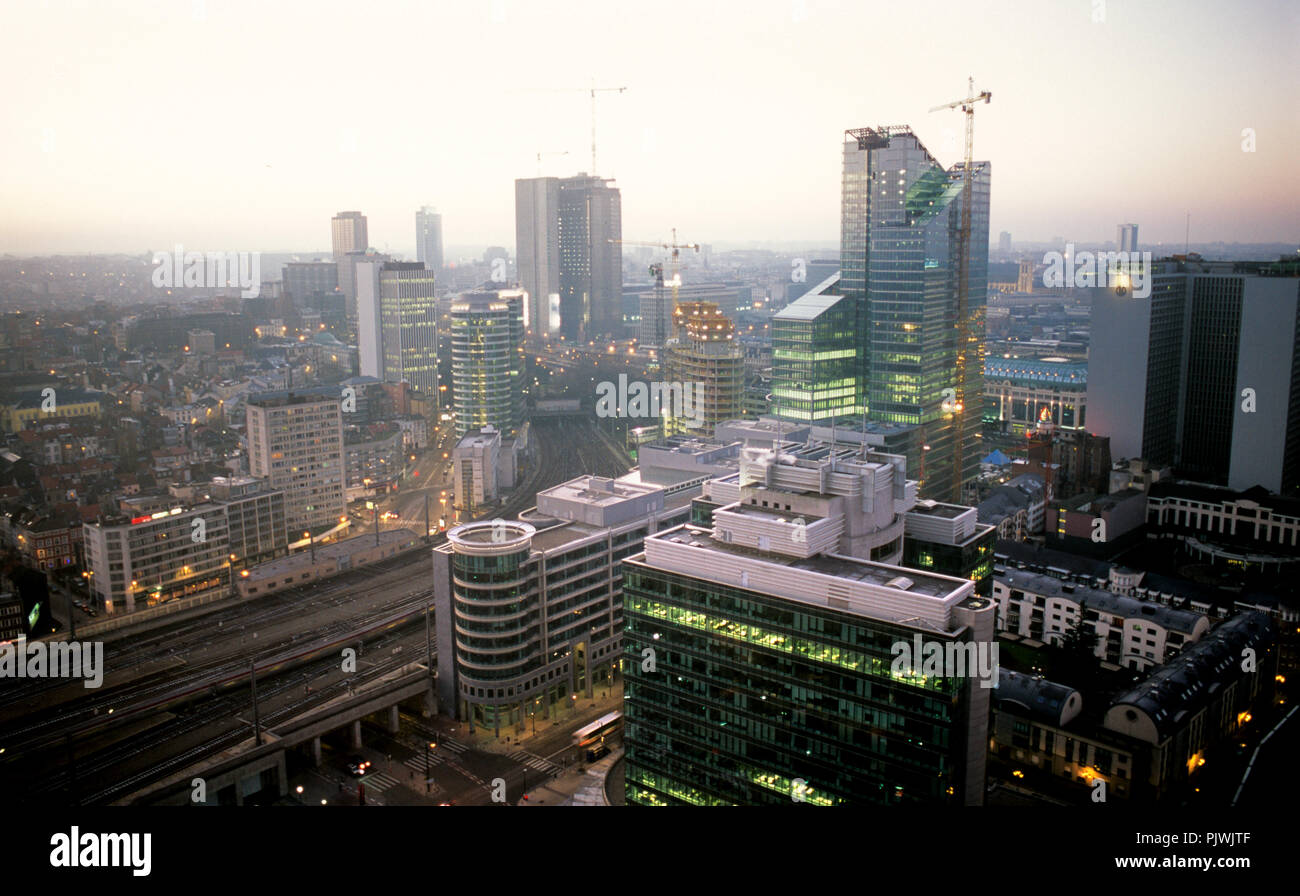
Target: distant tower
{"type": "Point", "coordinates": [537, 248]}
{"type": "Point", "coordinates": [428, 238]}
{"type": "Point", "coordinates": [1127, 237]}
{"type": "Point", "coordinates": [1004, 241]}
{"type": "Point", "coordinates": [349, 233]}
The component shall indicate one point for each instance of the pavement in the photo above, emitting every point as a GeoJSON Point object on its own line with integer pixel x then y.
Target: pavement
{"type": "Point", "coordinates": [576, 787]}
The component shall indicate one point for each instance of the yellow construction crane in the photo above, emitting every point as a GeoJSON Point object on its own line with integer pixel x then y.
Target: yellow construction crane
{"type": "Point", "coordinates": [968, 342]}
{"type": "Point", "coordinates": [657, 269]}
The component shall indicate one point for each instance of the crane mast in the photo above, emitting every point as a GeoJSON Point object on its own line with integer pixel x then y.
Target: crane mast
{"type": "Point", "coordinates": [966, 336]}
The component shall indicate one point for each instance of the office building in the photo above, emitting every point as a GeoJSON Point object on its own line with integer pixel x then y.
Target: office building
{"type": "Point", "coordinates": [1126, 237]}
{"type": "Point", "coordinates": [487, 360]}
{"type": "Point", "coordinates": [428, 239]}
{"type": "Point", "coordinates": [1203, 374]}
{"type": "Point", "coordinates": [815, 357]}
{"type": "Point", "coordinates": [537, 244]}
{"type": "Point", "coordinates": [256, 530]}
{"type": "Point", "coordinates": [530, 612]}
{"type": "Point", "coordinates": [474, 469]}
{"type": "Point", "coordinates": [1004, 242]}
{"type": "Point", "coordinates": [349, 235]}
{"type": "Point", "coordinates": [949, 539]}
{"type": "Point", "coordinates": [568, 233]}
{"type": "Point", "coordinates": [295, 441]}
{"type": "Point", "coordinates": [590, 224]}
{"type": "Point", "coordinates": [901, 262]}
{"type": "Point", "coordinates": [1021, 393]}
{"type": "Point", "coordinates": [705, 358]}
{"type": "Point", "coordinates": [397, 324]}
{"type": "Point", "coordinates": [761, 650]}
{"type": "Point", "coordinates": [309, 283]}
{"type": "Point", "coordinates": [151, 553]}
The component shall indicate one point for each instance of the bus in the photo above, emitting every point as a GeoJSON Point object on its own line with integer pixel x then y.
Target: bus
{"type": "Point", "coordinates": [592, 737]}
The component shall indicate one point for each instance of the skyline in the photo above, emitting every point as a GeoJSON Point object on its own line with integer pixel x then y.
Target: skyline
{"type": "Point", "coordinates": [725, 131]}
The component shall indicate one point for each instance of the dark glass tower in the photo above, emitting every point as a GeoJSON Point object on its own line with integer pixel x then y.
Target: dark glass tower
{"type": "Point", "coordinates": [900, 252]}
{"type": "Point", "coordinates": [590, 226]}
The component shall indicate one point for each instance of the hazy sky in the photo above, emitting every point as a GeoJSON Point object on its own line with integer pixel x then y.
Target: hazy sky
{"type": "Point", "coordinates": [246, 125]}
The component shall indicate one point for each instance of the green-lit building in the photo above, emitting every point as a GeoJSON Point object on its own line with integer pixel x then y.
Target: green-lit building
{"type": "Point", "coordinates": [759, 650]}
{"type": "Point", "coordinates": [487, 360]}
{"type": "Point", "coordinates": [949, 539]}
{"type": "Point", "coordinates": [815, 357]}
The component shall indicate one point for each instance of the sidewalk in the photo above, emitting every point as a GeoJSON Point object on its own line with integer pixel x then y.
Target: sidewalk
{"type": "Point", "coordinates": [575, 788]}
{"type": "Point", "coordinates": [586, 709]}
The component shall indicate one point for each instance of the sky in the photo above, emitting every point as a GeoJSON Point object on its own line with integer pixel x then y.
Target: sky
{"type": "Point", "coordinates": [231, 125]}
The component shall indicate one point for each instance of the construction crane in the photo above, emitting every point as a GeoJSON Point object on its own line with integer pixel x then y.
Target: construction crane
{"type": "Point", "coordinates": [539, 158]}
{"type": "Point", "coordinates": [657, 269]}
{"type": "Point", "coordinates": [967, 338]}
{"type": "Point", "coordinates": [592, 91]}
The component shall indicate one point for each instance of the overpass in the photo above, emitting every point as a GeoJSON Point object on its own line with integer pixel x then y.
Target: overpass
{"type": "Point", "coordinates": [251, 767]}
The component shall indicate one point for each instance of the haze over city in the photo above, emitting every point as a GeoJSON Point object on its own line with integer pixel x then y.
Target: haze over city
{"type": "Point", "coordinates": [244, 125]}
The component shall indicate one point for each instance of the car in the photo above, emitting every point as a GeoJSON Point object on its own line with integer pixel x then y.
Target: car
{"type": "Point", "coordinates": [358, 766]}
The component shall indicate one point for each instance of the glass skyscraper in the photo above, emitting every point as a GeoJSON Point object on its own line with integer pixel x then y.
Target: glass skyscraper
{"type": "Point", "coordinates": [900, 252]}
{"type": "Point", "coordinates": [487, 360]}
{"type": "Point", "coordinates": [815, 370]}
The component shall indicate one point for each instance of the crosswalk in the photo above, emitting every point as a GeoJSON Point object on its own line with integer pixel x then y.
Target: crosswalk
{"type": "Point", "coordinates": [535, 762]}
{"type": "Point", "coordinates": [379, 782]}
{"type": "Point", "coordinates": [423, 760]}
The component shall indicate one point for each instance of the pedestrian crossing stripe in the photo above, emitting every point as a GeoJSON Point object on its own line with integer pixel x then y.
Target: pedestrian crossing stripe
{"type": "Point", "coordinates": [379, 783]}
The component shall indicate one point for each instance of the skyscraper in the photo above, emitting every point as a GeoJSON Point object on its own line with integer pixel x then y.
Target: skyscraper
{"type": "Point", "coordinates": [1203, 374]}
{"type": "Point", "coordinates": [397, 322]}
{"type": "Point", "coordinates": [537, 245]}
{"type": "Point", "coordinates": [900, 253]}
{"type": "Point", "coordinates": [591, 258]}
{"type": "Point", "coordinates": [566, 233]}
{"type": "Point", "coordinates": [1126, 237]}
{"type": "Point", "coordinates": [349, 234]}
{"type": "Point", "coordinates": [295, 441]}
{"type": "Point", "coordinates": [428, 238]}
{"type": "Point", "coordinates": [487, 360]}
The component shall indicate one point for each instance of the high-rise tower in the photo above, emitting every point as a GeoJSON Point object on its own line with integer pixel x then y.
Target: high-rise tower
{"type": "Point", "coordinates": [900, 244]}
{"type": "Point", "coordinates": [428, 238]}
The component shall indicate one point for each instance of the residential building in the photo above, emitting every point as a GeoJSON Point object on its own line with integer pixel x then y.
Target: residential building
{"type": "Point", "coordinates": [295, 441]}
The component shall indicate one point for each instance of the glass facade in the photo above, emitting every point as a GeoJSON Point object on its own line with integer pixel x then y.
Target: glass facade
{"type": "Point", "coordinates": [487, 361]}
{"type": "Point", "coordinates": [901, 253]}
{"type": "Point", "coordinates": [752, 699]}
{"type": "Point", "coordinates": [815, 360]}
